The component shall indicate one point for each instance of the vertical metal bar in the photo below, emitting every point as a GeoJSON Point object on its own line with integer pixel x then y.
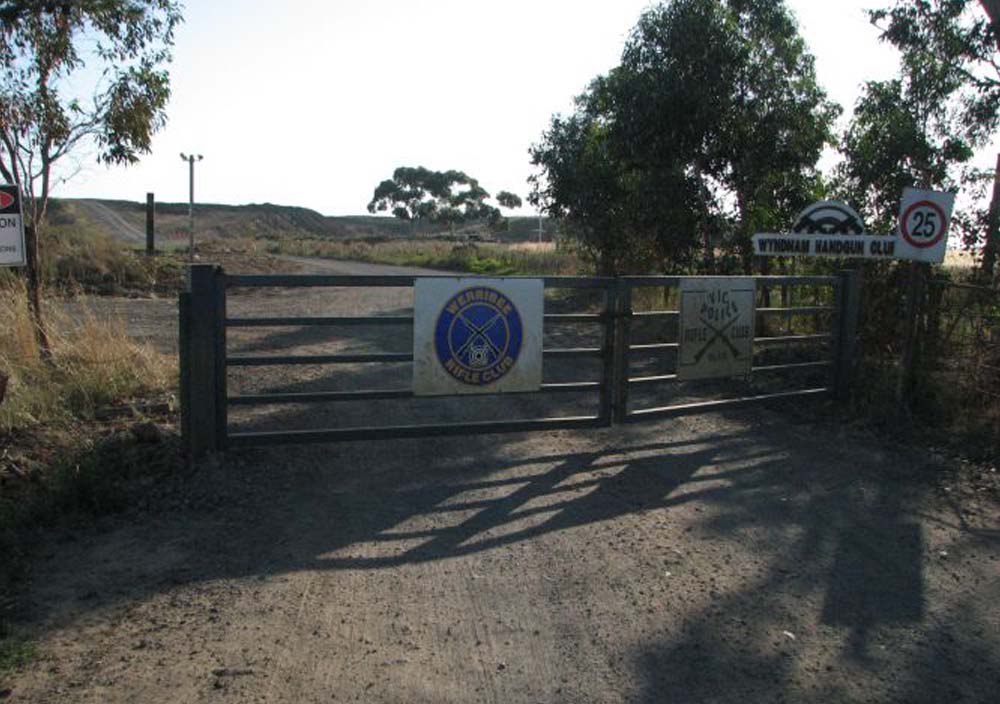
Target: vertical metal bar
{"type": "Point", "coordinates": [608, 351]}
{"type": "Point", "coordinates": [623, 323]}
{"type": "Point", "coordinates": [184, 357]}
{"type": "Point", "coordinates": [221, 376]}
{"type": "Point", "coordinates": [847, 332]}
{"type": "Point", "coordinates": [202, 437]}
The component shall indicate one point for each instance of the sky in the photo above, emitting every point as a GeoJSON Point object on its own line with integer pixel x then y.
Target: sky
{"type": "Point", "coordinates": [310, 103]}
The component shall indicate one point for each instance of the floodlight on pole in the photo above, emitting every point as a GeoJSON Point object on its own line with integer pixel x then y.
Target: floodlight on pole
{"type": "Point", "coordinates": [190, 160]}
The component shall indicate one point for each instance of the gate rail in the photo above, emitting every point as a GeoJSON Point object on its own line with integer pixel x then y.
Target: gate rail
{"type": "Point", "coordinates": [205, 359]}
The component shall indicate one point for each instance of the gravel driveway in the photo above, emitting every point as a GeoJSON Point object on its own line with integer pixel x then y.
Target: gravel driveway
{"type": "Point", "coordinates": [758, 555]}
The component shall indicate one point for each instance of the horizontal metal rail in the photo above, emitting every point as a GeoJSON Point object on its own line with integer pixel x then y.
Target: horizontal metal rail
{"type": "Point", "coordinates": [378, 394]}
{"type": "Point", "coordinates": [792, 339]}
{"type": "Point", "coordinates": [366, 357]}
{"type": "Point", "coordinates": [305, 322]}
{"type": "Point", "coordinates": [381, 281]}
{"type": "Point", "coordinates": [290, 359]}
{"type": "Point", "coordinates": [242, 439]}
{"type": "Point", "coordinates": [381, 320]}
{"type": "Point", "coordinates": [657, 379]}
{"type": "Point", "coordinates": [794, 365]}
{"type": "Point", "coordinates": [799, 310]}
{"type": "Point", "coordinates": [652, 346]}
{"type": "Point", "coordinates": [684, 408]}
{"type": "Point", "coordinates": [663, 378]}
{"type": "Point", "coordinates": [762, 281]}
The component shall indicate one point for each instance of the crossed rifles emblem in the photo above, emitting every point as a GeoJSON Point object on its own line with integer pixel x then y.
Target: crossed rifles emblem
{"type": "Point", "coordinates": [718, 333]}
{"type": "Point", "coordinates": [477, 338]}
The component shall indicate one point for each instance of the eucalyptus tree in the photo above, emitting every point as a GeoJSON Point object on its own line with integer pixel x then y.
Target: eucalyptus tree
{"type": "Point", "coordinates": [72, 74]}
{"type": "Point", "coordinates": [924, 127]}
{"type": "Point", "coordinates": [710, 128]}
{"type": "Point", "coordinates": [449, 197]}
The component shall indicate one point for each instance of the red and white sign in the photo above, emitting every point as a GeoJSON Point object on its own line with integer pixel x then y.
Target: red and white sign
{"type": "Point", "coordinates": [12, 249]}
{"type": "Point", "coordinates": [924, 217]}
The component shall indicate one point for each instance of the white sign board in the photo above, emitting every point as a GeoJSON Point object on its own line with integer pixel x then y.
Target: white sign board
{"type": "Point", "coordinates": [924, 217]}
{"type": "Point", "coordinates": [12, 249]}
{"type": "Point", "coordinates": [477, 335]}
{"type": "Point", "coordinates": [833, 229]}
{"type": "Point", "coordinates": [716, 327]}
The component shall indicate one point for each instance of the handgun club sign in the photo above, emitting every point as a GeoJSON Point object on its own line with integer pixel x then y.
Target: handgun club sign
{"type": "Point", "coordinates": [834, 229]}
{"type": "Point", "coordinates": [12, 249]}
{"type": "Point", "coordinates": [717, 327]}
{"type": "Point", "coordinates": [477, 336]}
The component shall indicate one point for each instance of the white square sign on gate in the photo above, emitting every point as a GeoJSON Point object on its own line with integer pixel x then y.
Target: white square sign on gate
{"type": "Point", "coordinates": [716, 327]}
{"type": "Point", "coordinates": [477, 335]}
{"type": "Point", "coordinates": [12, 249]}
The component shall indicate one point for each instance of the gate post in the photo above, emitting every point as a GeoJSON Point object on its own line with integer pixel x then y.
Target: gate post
{"type": "Point", "coordinates": [202, 326]}
{"type": "Point", "coordinates": [623, 322]}
{"type": "Point", "coordinates": [848, 307]}
{"type": "Point", "coordinates": [609, 349]}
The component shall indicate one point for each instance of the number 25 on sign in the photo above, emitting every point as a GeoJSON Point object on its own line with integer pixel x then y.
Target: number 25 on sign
{"type": "Point", "coordinates": [924, 217]}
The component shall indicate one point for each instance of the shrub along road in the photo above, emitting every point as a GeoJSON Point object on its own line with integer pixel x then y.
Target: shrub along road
{"type": "Point", "coordinates": [759, 555]}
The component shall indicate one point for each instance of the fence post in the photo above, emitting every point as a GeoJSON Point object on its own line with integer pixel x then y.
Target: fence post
{"type": "Point", "coordinates": [608, 348]}
{"type": "Point", "coordinates": [623, 321]}
{"type": "Point", "coordinates": [848, 307]}
{"type": "Point", "coordinates": [201, 360]}
{"type": "Point", "coordinates": [150, 236]}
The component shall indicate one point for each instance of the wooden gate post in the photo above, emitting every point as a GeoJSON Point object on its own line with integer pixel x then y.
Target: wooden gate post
{"type": "Point", "coordinates": [848, 308]}
{"type": "Point", "coordinates": [150, 225]}
{"type": "Point", "coordinates": [201, 327]}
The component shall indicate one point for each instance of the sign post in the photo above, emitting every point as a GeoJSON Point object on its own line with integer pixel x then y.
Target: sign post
{"type": "Point", "coordinates": [13, 251]}
{"type": "Point", "coordinates": [717, 327]}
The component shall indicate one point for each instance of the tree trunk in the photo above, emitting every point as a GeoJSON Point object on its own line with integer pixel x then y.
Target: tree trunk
{"type": "Point", "coordinates": [34, 292]}
{"type": "Point", "coordinates": [991, 248]}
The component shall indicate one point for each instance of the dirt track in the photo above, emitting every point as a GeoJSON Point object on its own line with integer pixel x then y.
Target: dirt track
{"type": "Point", "coordinates": [750, 556]}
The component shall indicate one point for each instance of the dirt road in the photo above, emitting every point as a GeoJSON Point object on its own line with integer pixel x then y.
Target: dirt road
{"type": "Point", "coordinates": [751, 556]}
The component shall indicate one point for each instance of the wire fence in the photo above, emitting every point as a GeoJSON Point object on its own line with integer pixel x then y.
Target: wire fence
{"type": "Point", "coordinates": [957, 383]}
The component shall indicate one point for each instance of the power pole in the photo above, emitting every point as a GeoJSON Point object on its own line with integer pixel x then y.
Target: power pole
{"type": "Point", "coordinates": [190, 160]}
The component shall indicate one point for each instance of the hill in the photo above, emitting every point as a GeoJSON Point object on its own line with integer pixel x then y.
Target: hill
{"type": "Point", "coordinates": [126, 220]}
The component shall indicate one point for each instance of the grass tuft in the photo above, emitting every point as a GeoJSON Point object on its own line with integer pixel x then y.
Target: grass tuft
{"type": "Point", "coordinates": [94, 364]}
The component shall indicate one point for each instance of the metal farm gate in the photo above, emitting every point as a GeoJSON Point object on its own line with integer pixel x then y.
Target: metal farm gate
{"type": "Point", "coordinates": [623, 311]}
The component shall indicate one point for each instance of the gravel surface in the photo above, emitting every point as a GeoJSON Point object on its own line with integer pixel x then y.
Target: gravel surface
{"type": "Point", "coordinates": [753, 556]}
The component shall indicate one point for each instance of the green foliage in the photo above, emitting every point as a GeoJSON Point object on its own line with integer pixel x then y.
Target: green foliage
{"type": "Point", "coordinates": [508, 200]}
{"type": "Point", "coordinates": [417, 193]}
{"type": "Point", "coordinates": [922, 129]}
{"type": "Point", "coordinates": [43, 48]}
{"type": "Point", "coordinates": [15, 653]}
{"type": "Point", "coordinates": [709, 129]}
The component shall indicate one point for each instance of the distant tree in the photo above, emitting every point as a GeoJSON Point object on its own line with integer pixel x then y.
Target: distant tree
{"type": "Point", "coordinates": [45, 113]}
{"type": "Point", "coordinates": [923, 128]}
{"type": "Point", "coordinates": [508, 200]}
{"type": "Point", "coordinates": [449, 197]}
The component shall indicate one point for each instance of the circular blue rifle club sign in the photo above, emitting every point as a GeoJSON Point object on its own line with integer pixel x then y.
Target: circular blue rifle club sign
{"type": "Point", "coordinates": [478, 336]}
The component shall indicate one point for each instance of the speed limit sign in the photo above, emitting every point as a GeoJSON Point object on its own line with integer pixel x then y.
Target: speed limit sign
{"type": "Point", "coordinates": [924, 217]}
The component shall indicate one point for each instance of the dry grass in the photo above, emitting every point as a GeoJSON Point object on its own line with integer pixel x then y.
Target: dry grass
{"type": "Point", "coordinates": [477, 258]}
{"type": "Point", "coordinates": [95, 364]}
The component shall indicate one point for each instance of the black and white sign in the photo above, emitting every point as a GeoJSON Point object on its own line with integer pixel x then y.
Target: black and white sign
{"type": "Point", "coordinates": [477, 335]}
{"type": "Point", "coordinates": [834, 229]}
{"type": "Point", "coordinates": [12, 249]}
{"type": "Point", "coordinates": [717, 327]}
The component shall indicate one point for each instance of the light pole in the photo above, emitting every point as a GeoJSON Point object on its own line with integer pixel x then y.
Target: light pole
{"type": "Point", "coordinates": [190, 160]}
